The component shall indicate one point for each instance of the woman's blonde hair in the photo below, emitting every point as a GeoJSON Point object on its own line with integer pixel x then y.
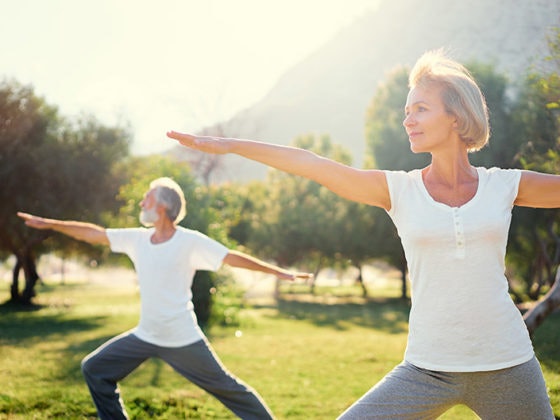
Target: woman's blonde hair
{"type": "Point", "coordinates": [460, 94]}
{"type": "Point", "coordinates": [170, 195]}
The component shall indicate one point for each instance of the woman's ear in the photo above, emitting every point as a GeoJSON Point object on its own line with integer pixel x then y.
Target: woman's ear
{"type": "Point", "coordinates": [455, 123]}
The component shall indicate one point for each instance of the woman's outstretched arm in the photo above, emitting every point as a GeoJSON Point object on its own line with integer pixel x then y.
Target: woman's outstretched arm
{"type": "Point", "coordinates": [364, 186]}
{"type": "Point", "coordinates": [538, 190]}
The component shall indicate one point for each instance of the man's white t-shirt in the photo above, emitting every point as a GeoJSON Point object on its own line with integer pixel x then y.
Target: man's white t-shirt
{"type": "Point", "coordinates": [165, 273]}
{"type": "Point", "coordinates": [462, 318]}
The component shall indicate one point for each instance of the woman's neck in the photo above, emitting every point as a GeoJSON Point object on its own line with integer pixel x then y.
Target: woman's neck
{"type": "Point", "coordinates": [453, 182]}
{"type": "Point", "coordinates": [450, 169]}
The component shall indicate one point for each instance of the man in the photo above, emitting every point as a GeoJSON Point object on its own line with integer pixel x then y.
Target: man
{"type": "Point", "coordinates": [165, 257]}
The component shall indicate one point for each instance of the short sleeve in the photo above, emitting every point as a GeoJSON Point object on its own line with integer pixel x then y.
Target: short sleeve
{"type": "Point", "coordinates": [124, 240]}
{"type": "Point", "coordinates": [506, 179]}
{"type": "Point", "coordinates": [396, 183]}
{"type": "Point", "coordinates": [208, 254]}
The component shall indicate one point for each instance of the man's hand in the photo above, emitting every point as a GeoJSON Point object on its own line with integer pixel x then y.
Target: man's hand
{"type": "Point", "coordinates": [87, 232]}
{"type": "Point", "coordinates": [294, 276]}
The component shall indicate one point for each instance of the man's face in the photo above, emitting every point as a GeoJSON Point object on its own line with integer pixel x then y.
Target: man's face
{"type": "Point", "coordinates": [148, 212]}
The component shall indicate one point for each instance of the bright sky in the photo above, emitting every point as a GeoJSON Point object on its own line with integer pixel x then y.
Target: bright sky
{"type": "Point", "coordinates": [166, 64]}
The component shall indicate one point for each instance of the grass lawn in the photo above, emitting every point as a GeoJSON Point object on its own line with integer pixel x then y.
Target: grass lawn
{"type": "Point", "coordinates": [309, 358]}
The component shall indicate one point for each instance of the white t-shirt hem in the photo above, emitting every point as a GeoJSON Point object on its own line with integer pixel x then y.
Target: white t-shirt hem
{"type": "Point", "coordinates": [471, 368]}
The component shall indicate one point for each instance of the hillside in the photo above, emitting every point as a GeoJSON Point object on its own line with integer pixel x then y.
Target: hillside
{"type": "Point", "coordinates": [330, 91]}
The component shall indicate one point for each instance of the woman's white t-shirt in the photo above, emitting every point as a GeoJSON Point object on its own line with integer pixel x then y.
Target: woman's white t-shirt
{"type": "Point", "coordinates": [165, 273]}
{"type": "Point", "coordinates": [462, 318]}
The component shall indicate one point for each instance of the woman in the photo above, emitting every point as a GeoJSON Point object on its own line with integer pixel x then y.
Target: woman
{"type": "Point", "coordinates": [467, 342]}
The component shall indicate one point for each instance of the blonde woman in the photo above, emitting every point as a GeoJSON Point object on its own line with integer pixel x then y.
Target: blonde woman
{"type": "Point", "coordinates": [467, 342]}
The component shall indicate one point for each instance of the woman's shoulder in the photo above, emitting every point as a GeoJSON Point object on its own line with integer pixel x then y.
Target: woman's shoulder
{"type": "Point", "coordinates": [413, 173]}
{"type": "Point", "coordinates": [500, 179]}
{"type": "Point", "coordinates": [507, 174]}
{"type": "Point", "coordinates": [400, 176]}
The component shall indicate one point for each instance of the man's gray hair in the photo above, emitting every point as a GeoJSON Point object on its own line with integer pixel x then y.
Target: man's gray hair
{"type": "Point", "coordinates": [169, 194]}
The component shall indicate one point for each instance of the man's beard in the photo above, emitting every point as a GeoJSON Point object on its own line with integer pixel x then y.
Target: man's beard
{"type": "Point", "coordinates": [149, 217]}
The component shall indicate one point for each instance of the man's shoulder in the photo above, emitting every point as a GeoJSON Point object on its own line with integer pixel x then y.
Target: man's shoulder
{"type": "Point", "coordinates": [126, 234]}
{"type": "Point", "coordinates": [195, 237]}
{"type": "Point", "coordinates": [187, 233]}
{"type": "Point", "coordinates": [130, 231]}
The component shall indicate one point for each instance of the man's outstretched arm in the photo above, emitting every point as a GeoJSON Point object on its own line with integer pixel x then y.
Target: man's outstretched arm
{"type": "Point", "coordinates": [87, 232]}
{"type": "Point", "coordinates": [241, 260]}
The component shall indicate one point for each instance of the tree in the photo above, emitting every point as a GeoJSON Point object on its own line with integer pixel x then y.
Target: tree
{"type": "Point", "coordinates": [538, 313]}
{"type": "Point", "coordinates": [358, 229]}
{"type": "Point", "coordinates": [387, 143]}
{"type": "Point", "coordinates": [299, 219]}
{"type": "Point", "coordinates": [536, 238]}
{"type": "Point", "coordinates": [505, 141]}
{"type": "Point", "coordinates": [388, 148]}
{"type": "Point", "coordinates": [50, 166]}
{"type": "Point", "coordinates": [208, 211]}
{"type": "Point", "coordinates": [535, 242]}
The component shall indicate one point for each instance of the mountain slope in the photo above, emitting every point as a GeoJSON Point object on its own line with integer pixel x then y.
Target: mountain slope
{"type": "Point", "coordinates": [330, 91]}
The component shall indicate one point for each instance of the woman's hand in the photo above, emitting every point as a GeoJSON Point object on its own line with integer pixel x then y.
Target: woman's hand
{"type": "Point", "coordinates": [35, 222]}
{"type": "Point", "coordinates": [206, 144]}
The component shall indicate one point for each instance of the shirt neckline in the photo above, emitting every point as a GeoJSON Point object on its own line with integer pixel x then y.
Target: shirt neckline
{"type": "Point", "coordinates": [160, 244]}
{"type": "Point", "coordinates": [426, 193]}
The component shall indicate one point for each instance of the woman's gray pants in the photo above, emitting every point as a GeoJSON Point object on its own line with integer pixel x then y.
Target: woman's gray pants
{"type": "Point", "coordinates": [412, 393]}
{"type": "Point", "coordinates": [197, 362]}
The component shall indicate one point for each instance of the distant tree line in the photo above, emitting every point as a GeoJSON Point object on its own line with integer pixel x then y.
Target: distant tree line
{"type": "Point", "coordinates": [81, 169]}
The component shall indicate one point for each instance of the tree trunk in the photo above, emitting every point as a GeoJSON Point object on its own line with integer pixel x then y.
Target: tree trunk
{"type": "Point", "coordinates": [314, 279]}
{"type": "Point", "coordinates": [403, 284]}
{"type": "Point", "coordinates": [31, 278]}
{"type": "Point", "coordinates": [25, 262]}
{"type": "Point", "coordinates": [536, 315]}
{"type": "Point", "coordinates": [14, 288]}
{"type": "Point", "coordinates": [360, 280]}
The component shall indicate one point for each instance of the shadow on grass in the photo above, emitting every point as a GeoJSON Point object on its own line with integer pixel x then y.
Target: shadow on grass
{"type": "Point", "coordinates": [389, 315]}
{"type": "Point", "coordinates": [19, 323]}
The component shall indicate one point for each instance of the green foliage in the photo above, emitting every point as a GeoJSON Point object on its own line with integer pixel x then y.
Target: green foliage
{"type": "Point", "coordinates": [298, 220]}
{"type": "Point", "coordinates": [387, 143]}
{"type": "Point", "coordinates": [216, 299]}
{"type": "Point", "coordinates": [50, 166]}
{"type": "Point", "coordinates": [535, 236]}
{"type": "Point", "coordinates": [505, 139]}
{"type": "Point", "coordinates": [388, 148]}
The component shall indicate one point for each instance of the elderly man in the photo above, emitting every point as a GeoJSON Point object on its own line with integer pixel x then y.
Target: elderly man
{"type": "Point", "coordinates": [165, 257]}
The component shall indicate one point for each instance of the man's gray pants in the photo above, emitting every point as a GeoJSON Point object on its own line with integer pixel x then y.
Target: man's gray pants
{"type": "Point", "coordinates": [197, 362]}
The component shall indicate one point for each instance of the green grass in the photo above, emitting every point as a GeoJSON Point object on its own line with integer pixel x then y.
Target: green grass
{"type": "Point", "coordinates": [309, 358]}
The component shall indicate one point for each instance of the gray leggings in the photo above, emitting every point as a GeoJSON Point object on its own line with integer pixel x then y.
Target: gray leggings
{"type": "Point", "coordinates": [411, 393]}
{"type": "Point", "coordinates": [197, 362]}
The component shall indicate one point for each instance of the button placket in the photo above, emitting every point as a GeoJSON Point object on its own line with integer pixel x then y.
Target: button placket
{"type": "Point", "coordinates": [459, 233]}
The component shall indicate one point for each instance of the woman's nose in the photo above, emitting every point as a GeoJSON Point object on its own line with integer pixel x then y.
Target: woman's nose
{"type": "Point", "coordinates": [408, 120]}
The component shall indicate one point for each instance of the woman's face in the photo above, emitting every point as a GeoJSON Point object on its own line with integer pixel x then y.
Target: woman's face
{"type": "Point", "coordinates": [428, 125]}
